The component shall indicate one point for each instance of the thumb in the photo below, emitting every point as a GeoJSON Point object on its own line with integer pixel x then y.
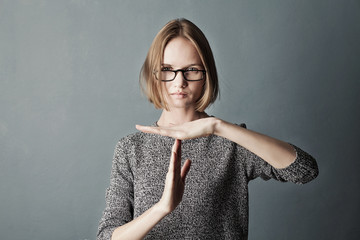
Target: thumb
{"type": "Point", "coordinates": [185, 169]}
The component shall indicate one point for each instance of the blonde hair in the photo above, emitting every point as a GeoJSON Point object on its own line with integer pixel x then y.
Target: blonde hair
{"type": "Point", "coordinates": [178, 28]}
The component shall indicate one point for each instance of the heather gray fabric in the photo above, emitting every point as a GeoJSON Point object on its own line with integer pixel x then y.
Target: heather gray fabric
{"type": "Point", "coordinates": [215, 202]}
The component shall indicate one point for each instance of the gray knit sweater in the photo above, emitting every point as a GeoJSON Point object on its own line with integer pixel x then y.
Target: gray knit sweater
{"type": "Point", "coordinates": [215, 202]}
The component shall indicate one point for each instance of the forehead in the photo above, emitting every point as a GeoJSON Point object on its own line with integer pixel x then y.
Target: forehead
{"type": "Point", "coordinates": [180, 52]}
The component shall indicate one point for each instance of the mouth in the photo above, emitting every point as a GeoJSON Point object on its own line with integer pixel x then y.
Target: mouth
{"type": "Point", "coordinates": [179, 94]}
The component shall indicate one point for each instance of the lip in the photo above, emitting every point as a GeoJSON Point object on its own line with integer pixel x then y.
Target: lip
{"type": "Point", "coordinates": [179, 94]}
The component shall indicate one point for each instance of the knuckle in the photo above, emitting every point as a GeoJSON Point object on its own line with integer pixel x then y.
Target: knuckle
{"type": "Point", "coordinates": [162, 131]}
{"type": "Point", "coordinates": [179, 135]}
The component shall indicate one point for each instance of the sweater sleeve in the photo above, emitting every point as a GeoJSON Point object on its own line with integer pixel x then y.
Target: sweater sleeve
{"type": "Point", "coordinates": [302, 170]}
{"type": "Point", "coordinates": [119, 195]}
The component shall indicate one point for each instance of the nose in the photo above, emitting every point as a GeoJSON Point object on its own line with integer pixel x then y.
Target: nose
{"type": "Point", "coordinates": [179, 80]}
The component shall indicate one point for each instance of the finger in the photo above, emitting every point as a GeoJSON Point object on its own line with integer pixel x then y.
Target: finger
{"type": "Point", "coordinates": [178, 148]}
{"type": "Point", "coordinates": [154, 130]}
{"type": "Point", "coordinates": [175, 163]}
{"type": "Point", "coordinates": [175, 146]}
{"type": "Point", "coordinates": [172, 162]}
{"type": "Point", "coordinates": [185, 169]}
{"type": "Point", "coordinates": [177, 159]}
{"type": "Point", "coordinates": [169, 132]}
{"type": "Point", "coordinates": [147, 129]}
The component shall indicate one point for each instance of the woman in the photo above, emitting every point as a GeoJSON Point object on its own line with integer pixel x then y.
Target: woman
{"type": "Point", "coordinates": [148, 196]}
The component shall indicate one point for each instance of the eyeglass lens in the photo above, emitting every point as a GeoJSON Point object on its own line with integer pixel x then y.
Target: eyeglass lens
{"type": "Point", "coordinates": [189, 75]}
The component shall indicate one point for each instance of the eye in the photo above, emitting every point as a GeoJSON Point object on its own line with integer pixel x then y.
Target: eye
{"type": "Point", "coordinates": [165, 69]}
{"type": "Point", "coordinates": [192, 69]}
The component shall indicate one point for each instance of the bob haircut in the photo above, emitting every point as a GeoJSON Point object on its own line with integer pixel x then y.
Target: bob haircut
{"type": "Point", "coordinates": [188, 30]}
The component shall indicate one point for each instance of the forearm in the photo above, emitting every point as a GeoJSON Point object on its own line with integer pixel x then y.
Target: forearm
{"type": "Point", "coordinates": [172, 195]}
{"type": "Point", "coordinates": [140, 226]}
{"type": "Point", "coordinates": [277, 153]}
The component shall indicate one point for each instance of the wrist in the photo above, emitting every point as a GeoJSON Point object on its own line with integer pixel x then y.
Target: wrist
{"type": "Point", "coordinates": [162, 209]}
{"type": "Point", "coordinates": [217, 126]}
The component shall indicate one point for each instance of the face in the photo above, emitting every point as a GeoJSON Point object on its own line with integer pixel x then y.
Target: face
{"type": "Point", "coordinates": [180, 53]}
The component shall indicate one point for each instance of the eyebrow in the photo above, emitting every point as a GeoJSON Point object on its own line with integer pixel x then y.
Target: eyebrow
{"type": "Point", "coordinates": [190, 65]}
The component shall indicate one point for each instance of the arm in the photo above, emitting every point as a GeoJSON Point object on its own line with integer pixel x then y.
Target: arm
{"type": "Point", "coordinates": [277, 153]}
{"type": "Point", "coordinates": [282, 161]}
{"type": "Point", "coordinates": [172, 195]}
{"type": "Point", "coordinates": [139, 227]}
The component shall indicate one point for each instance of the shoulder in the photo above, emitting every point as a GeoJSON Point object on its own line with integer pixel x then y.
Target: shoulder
{"type": "Point", "coordinates": [140, 140]}
{"type": "Point", "coordinates": [127, 146]}
{"type": "Point", "coordinates": [131, 140]}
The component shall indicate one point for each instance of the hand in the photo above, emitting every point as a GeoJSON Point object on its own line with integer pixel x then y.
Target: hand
{"type": "Point", "coordinates": [198, 128]}
{"type": "Point", "coordinates": [175, 179]}
{"type": "Point", "coordinates": [139, 227]}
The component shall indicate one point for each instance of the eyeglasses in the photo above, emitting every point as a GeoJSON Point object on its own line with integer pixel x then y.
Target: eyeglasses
{"type": "Point", "coordinates": [190, 75]}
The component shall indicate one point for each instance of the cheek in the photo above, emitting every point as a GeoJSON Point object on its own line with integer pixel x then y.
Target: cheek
{"type": "Point", "coordinates": [199, 89]}
{"type": "Point", "coordinates": [166, 87]}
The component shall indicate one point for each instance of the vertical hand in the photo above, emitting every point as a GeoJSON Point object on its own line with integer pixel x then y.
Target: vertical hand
{"type": "Point", "coordinates": [175, 179]}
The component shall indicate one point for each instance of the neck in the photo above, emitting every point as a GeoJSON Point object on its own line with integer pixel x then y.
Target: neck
{"type": "Point", "coordinates": [179, 116]}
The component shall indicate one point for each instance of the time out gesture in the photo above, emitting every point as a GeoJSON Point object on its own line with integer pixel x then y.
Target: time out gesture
{"type": "Point", "coordinates": [277, 153]}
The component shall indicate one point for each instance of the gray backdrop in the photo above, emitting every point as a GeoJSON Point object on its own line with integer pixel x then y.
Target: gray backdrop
{"type": "Point", "coordinates": [69, 90]}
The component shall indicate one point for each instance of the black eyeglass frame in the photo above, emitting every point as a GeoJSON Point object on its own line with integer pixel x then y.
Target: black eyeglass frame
{"type": "Point", "coordinates": [183, 73]}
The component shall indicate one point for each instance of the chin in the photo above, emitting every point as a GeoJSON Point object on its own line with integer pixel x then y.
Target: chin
{"type": "Point", "coordinates": [181, 106]}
